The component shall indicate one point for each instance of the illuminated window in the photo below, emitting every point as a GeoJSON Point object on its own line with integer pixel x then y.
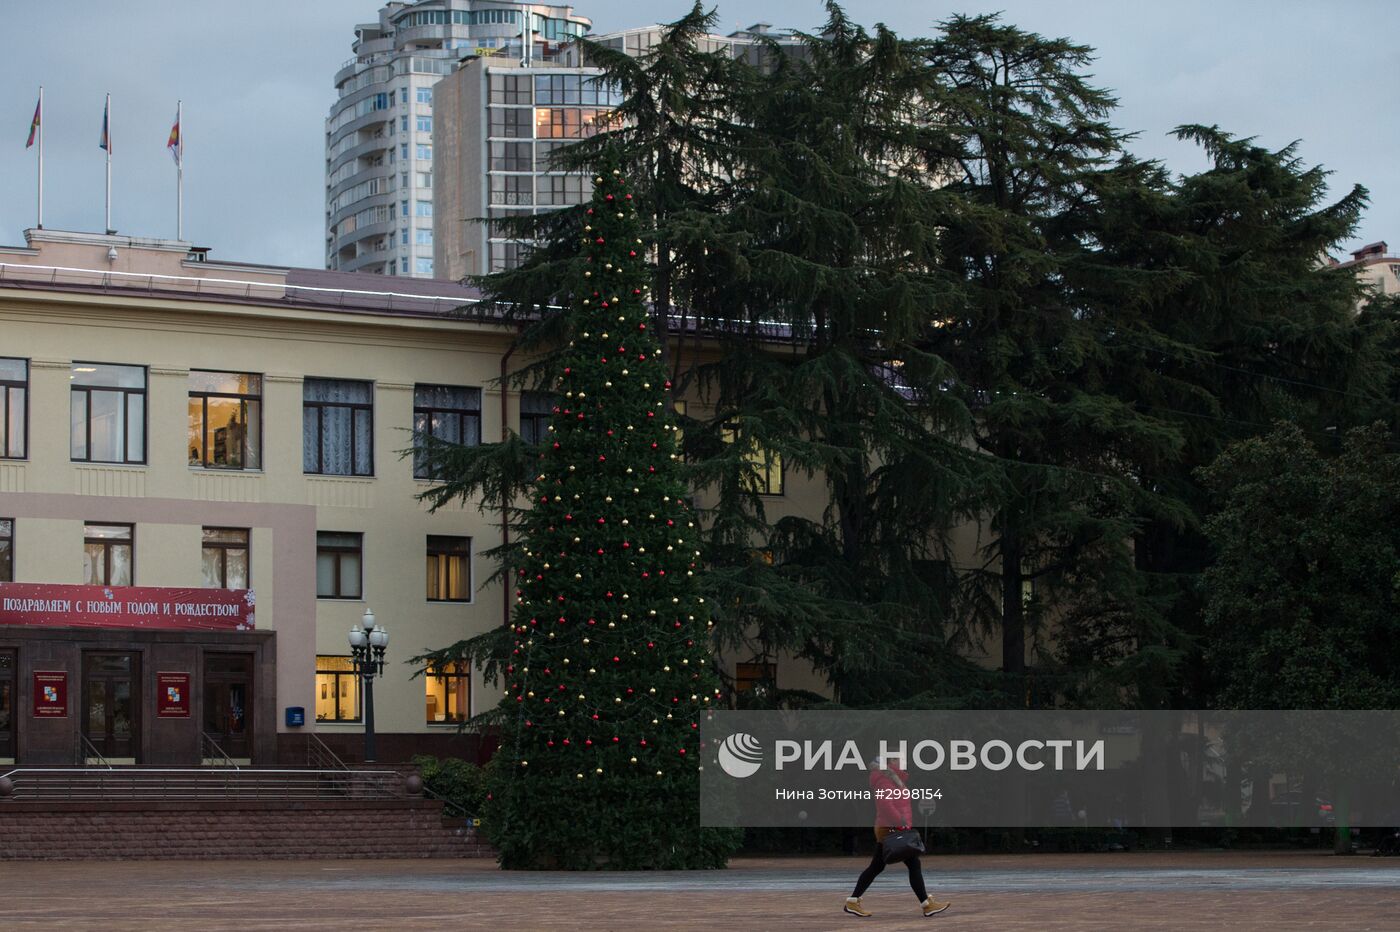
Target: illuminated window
{"type": "Point", "coordinates": [748, 676]}
{"type": "Point", "coordinates": [449, 694]}
{"type": "Point", "coordinates": [225, 420]}
{"type": "Point", "coordinates": [764, 468]}
{"type": "Point", "coordinates": [337, 690]}
{"type": "Point", "coordinates": [449, 569]}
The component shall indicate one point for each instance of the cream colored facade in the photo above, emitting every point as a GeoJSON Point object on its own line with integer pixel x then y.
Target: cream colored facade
{"type": "Point", "coordinates": [1376, 268]}
{"type": "Point", "coordinates": [155, 305]}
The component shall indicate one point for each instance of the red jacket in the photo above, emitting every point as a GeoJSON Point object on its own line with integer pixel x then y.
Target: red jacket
{"type": "Point", "coordinates": [891, 811]}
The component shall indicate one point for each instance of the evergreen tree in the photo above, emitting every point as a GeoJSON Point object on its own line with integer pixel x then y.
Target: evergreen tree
{"type": "Point", "coordinates": [1027, 157]}
{"type": "Point", "coordinates": [609, 671]}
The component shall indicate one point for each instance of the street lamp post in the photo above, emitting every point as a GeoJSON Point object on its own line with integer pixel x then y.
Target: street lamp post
{"type": "Point", "coordinates": [367, 644]}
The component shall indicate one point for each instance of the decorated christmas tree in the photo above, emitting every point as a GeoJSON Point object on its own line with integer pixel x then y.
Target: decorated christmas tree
{"type": "Point", "coordinates": [610, 672]}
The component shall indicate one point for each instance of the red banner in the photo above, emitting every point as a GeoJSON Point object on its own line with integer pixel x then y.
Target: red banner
{"type": "Point", "coordinates": [172, 695]}
{"type": "Point", "coordinates": [50, 694]}
{"type": "Point", "coordinates": [126, 607]}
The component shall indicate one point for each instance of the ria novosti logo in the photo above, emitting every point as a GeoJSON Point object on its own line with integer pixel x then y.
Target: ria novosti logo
{"type": "Point", "coordinates": [740, 755]}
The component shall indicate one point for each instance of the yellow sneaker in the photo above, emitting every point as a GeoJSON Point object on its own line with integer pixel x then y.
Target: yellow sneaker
{"type": "Point", "coordinates": [932, 907]}
{"type": "Point", "coordinates": [855, 909]}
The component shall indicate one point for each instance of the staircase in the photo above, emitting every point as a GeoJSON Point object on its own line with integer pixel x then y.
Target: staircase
{"type": "Point", "coordinates": [225, 812]}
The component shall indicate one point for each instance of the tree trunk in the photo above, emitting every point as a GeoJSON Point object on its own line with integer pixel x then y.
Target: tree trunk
{"type": "Point", "coordinates": [1013, 610]}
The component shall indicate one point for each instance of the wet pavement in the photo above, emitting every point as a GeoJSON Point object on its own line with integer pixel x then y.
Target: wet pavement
{"type": "Point", "coordinates": [1206, 890]}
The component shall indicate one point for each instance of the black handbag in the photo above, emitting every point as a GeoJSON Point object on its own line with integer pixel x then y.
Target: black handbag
{"type": "Point", "coordinates": [901, 846]}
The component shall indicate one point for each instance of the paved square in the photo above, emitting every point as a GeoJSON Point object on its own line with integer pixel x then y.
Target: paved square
{"type": "Point", "coordinates": [1208, 890]}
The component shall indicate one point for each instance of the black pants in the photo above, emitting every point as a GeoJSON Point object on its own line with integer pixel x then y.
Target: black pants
{"type": "Point", "coordinates": [877, 864]}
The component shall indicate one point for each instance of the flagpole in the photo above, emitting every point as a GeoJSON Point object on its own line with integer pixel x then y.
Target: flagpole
{"type": "Point", "coordinates": [179, 171]}
{"type": "Point", "coordinates": [107, 119]}
{"type": "Point", "coordinates": [40, 224]}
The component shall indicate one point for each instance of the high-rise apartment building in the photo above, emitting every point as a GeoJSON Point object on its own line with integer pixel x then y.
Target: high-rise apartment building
{"type": "Point", "coordinates": [497, 122]}
{"type": "Point", "coordinates": [379, 155]}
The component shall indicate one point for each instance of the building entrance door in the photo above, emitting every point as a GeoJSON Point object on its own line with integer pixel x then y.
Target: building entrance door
{"type": "Point", "coordinates": [112, 704]}
{"type": "Point", "coordinates": [228, 703]}
{"type": "Point", "coordinates": [7, 704]}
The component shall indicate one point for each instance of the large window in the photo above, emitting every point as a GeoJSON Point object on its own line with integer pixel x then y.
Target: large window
{"type": "Point", "coordinates": [564, 189]}
{"type": "Point", "coordinates": [763, 469]}
{"type": "Point", "coordinates": [449, 569]}
{"type": "Point", "coordinates": [510, 89]}
{"type": "Point", "coordinates": [511, 157]}
{"type": "Point", "coordinates": [225, 558]}
{"type": "Point", "coordinates": [7, 549]}
{"type": "Point", "coordinates": [225, 420]}
{"type": "Point", "coordinates": [511, 122]}
{"type": "Point", "coordinates": [449, 694]}
{"type": "Point", "coordinates": [337, 427]}
{"type": "Point", "coordinates": [14, 407]}
{"type": "Point", "coordinates": [108, 422]}
{"type": "Point", "coordinates": [512, 189]}
{"type": "Point", "coordinates": [451, 413]}
{"type": "Point", "coordinates": [424, 124]}
{"type": "Point", "coordinates": [424, 209]}
{"type": "Point", "coordinates": [338, 565]}
{"type": "Point", "coordinates": [337, 690]}
{"type": "Point", "coordinates": [536, 408]}
{"type": "Point", "coordinates": [109, 554]}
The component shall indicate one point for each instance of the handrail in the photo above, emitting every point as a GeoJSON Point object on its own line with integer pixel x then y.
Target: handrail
{"type": "Point", "coordinates": [91, 783]}
{"type": "Point", "coordinates": [320, 756]}
{"type": "Point", "coordinates": [207, 744]}
{"type": "Point", "coordinates": [455, 810]}
{"type": "Point", "coordinates": [86, 751]}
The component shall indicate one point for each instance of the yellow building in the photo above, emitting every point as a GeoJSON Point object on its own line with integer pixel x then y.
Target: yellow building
{"type": "Point", "coordinates": [176, 423]}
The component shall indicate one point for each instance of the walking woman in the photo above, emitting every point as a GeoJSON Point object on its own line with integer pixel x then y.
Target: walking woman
{"type": "Point", "coordinates": [893, 812]}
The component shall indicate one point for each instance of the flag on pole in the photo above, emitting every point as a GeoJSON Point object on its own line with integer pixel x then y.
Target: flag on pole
{"type": "Point", "coordinates": [34, 123]}
{"type": "Point", "coordinates": [176, 144]}
{"type": "Point", "coordinates": [106, 141]}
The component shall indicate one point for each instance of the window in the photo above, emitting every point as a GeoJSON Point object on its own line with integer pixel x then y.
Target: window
{"type": "Point", "coordinates": [7, 549]}
{"type": "Point", "coordinates": [403, 123]}
{"type": "Point", "coordinates": [536, 408]}
{"type": "Point", "coordinates": [749, 676]}
{"type": "Point", "coordinates": [108, 554]}
{"type": "Point", "coordinates": [425, 95]}
{"type": "Point", "coordinates": [403, 208]}
{"type": "Point", "coordinates": [108, 420]}
{"type": "Point", "coordinates": [425, 179]}
{"type": "Point", "coordinates": [337, 427]}
{"type": "Point", "coordinates": [423, 237]}
{"type": "Point", "coordinates": [511, 123]}
{"type": "Point", "coordinates": [511, 157]}
{"type": "Point", "coordinates": [512, 189]}
{"type": "Point", "coordinates": [763, 472]}
{"type": "Point", "coordinates": [338, 565]}
{"type": "Point", "coordinates": [225, 558]}
{"type": "Point", "coordinates": [424, 124]}
{"type": "Point", "coordinates": [449, 569]}
{"type": "Point", "coordinates": [403, 236]}
{"type": "Point", "coordinates": [403, 150]}
{"type": "Point", "coordinates": [337, 690]}
{"type": "Point", "coordinates": [564, 189]}
{"type": "Point", "coordinates": [544, 155]}
{"type": "Point", "coordinates": [14, 407]}
{"type": "Point", "coordinates": [423, 266]}
{"type": "Point", "coordinates": [403, 95]}
{"type": "Point", "coordinates": [225, 420]}
{"type": "Point", "coordinates": [450, 413]}
{"type": "Point", "coordinates": [508, 255]}
{"type": "Point", "coordinates": [449, 696]}
{"type": "Point", "coordinates": [424, 209]}
{"type": "Point", "coordinates": [510, 89]}
{"type": "Point", "coordinates": [422, 152]}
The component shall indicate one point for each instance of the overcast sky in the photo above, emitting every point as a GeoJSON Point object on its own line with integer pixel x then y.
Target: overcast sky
{"type": "Point", "coordinates": [255, 77]}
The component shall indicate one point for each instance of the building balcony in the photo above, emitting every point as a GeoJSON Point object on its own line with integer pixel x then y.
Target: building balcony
{"type": "Point", "coordinates": [368, 147]}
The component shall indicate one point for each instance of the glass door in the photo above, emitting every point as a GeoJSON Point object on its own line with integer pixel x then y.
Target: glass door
{"type": "Point", "coordinates": [7, 705]}
{"type": "Point", "coordinates": [111, 704]}
{"type": "Point", "coordinates": [228, 703]}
